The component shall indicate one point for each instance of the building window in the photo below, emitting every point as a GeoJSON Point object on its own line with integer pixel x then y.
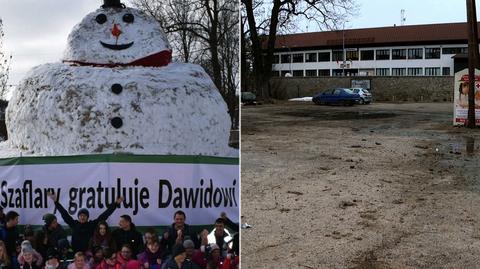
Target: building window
{"type": "Point", "coordinates": [324, 56]}
{"type": "Point", "coordinates": [415, 71]}
{"type": "Point", "coordinates": [310, 57]}
{"type": "Point", "coordinates": [366, 55]}
{"type": "Point", "coordinates": [298, 57]}
{"type": "Point", "coordinates": [415, 53]}
{"type": "Point", "coordinates": [446, 71]}
{"type": "Point", "coordinates": [432, 71]}
{"type": "Point", "coordinates": [311, 73]}
{"type": "Point", "coordinates": [298, 73]}
{"type": "Point", "coordinates": [454, 50]}
{"type": "Point", "coordinates": [285, 72]}
{"type": "Point", "coordinates": [323, 72]}
{"type": "Point", "coordinates": [383, 54]}
{"type": "Point", "coordinates": [337, 55]}
{"type": "Point", "coordinates": [432, 53]}
{"type": "Point", "coordinates": [399, 54]}
{"type": "Point", "coordinates": [352, 55]}
{"type": "Point", "coordinates": [275, 73]}
{"type": "Point", "coordinates": [337, 72]}
{"type": "Point", "coordinates": [285, 58]}
{"type": "Point", "coordinates": [398, 71]}
{"type": "Point", "coordinates": [276, 59]}
{"type": "Point", "coordinates": [382, 72]}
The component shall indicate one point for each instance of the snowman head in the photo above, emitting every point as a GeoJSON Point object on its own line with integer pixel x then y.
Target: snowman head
{"type": "Point", "coordinates": [114, 34]}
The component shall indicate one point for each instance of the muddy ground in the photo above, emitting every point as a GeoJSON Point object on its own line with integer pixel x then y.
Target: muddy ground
{"type": "Point", "coordinates": [373, 186]}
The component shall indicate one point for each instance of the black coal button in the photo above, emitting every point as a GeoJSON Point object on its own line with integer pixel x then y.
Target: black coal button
{"type": "Point", "coordinates": [117, 88]}
{"type": "Point", "coordinates": [116, 122]}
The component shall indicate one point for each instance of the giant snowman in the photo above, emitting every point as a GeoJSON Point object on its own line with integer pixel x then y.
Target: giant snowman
{"type": "Point", "coordinates": [116, 90]}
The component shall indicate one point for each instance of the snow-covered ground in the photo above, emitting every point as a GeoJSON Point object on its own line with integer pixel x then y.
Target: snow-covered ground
{"type": "Point", "coordinates": [301, 99]}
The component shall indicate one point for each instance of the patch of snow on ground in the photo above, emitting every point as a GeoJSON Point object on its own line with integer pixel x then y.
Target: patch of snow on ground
{"type": "Point", "coordinates": [301, 99]}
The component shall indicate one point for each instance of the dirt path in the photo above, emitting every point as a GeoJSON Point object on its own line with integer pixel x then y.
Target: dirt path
{"type": "Point", "coordinates": [376, 186]}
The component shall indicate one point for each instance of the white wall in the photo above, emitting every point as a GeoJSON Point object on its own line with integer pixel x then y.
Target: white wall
{"type": "Point", "coordinates": [444, 61]}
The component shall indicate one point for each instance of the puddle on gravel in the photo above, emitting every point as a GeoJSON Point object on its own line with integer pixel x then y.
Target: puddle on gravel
{"type": "Point", "coordinates": [339, 115]}
{"type": "Point", "coordinates": [466, 146]}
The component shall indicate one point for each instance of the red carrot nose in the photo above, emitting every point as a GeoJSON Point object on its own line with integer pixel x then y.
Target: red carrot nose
{"type": "Point", "coordinates": [116, 30]}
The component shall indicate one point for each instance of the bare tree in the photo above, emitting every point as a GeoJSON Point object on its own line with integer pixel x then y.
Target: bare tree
{"type": "Point", "coordinates": [278, 15]}
{"type": "Point", "coordinates": [203, 32]}
{"type": "Point", "coordinates": [473, 60]}
{"type": "Point", "coordinates": [4, 66]}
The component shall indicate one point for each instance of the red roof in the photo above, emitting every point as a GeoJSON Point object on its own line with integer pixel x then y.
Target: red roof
{"type": "Point", "coordinates": [447, 33]}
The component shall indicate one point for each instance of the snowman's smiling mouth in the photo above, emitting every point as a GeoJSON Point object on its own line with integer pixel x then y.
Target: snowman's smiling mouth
{"type": "Point", "coordinates": [116, 47]}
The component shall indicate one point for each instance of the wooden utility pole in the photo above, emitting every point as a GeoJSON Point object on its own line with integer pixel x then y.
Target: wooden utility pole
{"type": "Point", "coordinates": [473, 60]}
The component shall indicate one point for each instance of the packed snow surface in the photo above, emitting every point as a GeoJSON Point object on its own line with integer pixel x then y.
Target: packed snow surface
{"type": "Point", "coordinates": [60, 109]}
{"type": "Point", "coordinates": [301, 99]}
{"type": "Point", "coordinates": [143, 33]}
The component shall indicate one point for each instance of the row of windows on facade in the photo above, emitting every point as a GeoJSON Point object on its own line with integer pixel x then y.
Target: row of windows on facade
{"type": "Point", "coordinates": [415, 71]}
{"type": "Point", "coordinates": [366, 55]}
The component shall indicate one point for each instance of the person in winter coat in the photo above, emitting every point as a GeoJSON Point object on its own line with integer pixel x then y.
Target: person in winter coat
{"type": "Point", "coordinates": [109, 261]}
{"type": "Point", "coordinates": [178, 232]}
{"type": "Point", "coordinates": [4, 258]}
{"type": "Point", "coordinates": [2, 216]}
{"type": "Point", "coordinates": [52, 259]}
{"type": "Point", "coordinates": [79, 262]}
{"type": "Point", "coordinates": [9, 235]}
{"type": "Point", "coordinates": [231, 262]}
{"type": "Point", "coordinates": [52, 230]}
{"type": "Point", "coordinates": [83, 228]}
{"type": "Point", "coordinates": [65, 251]}
{"type": "Point", "coordinates": [41, 243]}
{"type": "Point", "coordinates": [150, 236]}
{"type": "Point", "coordinates": [219, 236]}
{"type": "Point", "coordinates": [178, 258]}
{"type": "Point", "coordinates": [128, 234]}
{"type": "Point", "coordinates": [102, 237]}
{"type": "Point", "coordinates": [208, 256]}
{"type": "Point", "coordinates": [124, 256]}
{"type": "Point", "coordinates": [189, 252]}
{"type": "Point", "coordinates": [97, 257]}
{"type": "Point", "coordinates": [152, 257]}
{"type": "Point", "coordinates": [26, 248]}
{"type": "Point", "coordinates": [28, 261]}
{"type": "Point", "coordinates": [235, 229]}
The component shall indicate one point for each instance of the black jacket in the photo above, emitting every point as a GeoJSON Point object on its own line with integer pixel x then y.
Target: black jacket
{"type": "Point", "coordinates": [82, 232]}
{"type": "Point", "coordinates": [30, 266]}
{"type": "Point", "coordinates": [188, 233]}
{"type": "Point", "coordinates": [132, 237]}
{"type": "Point", "coordinates": [188, 264]}
{"type": "Point", "coordinates": [235, 229]}
{"type": "Point", "coordinates": [10, 237]}
{"type": "Point", "coordinates": [170, 264]}
{"type": "Point", "coordinates": [54, 236]}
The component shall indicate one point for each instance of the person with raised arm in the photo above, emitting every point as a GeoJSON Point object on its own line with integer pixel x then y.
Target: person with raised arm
{"type": "Point", "coordinates": [83, 228]}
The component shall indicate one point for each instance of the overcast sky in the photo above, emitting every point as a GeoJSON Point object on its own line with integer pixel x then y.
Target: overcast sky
{"type": "Point", "coordinates": [36, 31]}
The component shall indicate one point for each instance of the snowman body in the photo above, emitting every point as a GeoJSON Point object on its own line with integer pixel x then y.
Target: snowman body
{"type": "Point", "coordinates": [97, 102]}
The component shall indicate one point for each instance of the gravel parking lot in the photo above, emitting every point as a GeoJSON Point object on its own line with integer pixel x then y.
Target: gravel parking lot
{"type": "Point", "coordinates": [372, 186]}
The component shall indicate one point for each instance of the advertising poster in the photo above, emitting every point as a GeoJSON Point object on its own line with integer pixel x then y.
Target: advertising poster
{"type": "Point", "coordinates": [461, 97]}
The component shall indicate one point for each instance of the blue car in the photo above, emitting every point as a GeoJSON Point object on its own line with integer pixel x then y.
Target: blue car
{"type": "Point", "coordinates": [340, 96]}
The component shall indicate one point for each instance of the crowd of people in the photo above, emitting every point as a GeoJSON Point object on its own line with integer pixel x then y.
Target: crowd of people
{"type": "Point", "coordinates": [94, 245]}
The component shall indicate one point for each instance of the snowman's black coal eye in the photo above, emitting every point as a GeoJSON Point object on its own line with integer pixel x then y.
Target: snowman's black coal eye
{"type": "Point", "coordinates": [101, 18]}
{"type": "Point", "coordinates": [128, 18]}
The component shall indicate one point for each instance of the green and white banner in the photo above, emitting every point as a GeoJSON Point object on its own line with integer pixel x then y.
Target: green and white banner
{"type": "Point", "coordinates": [154, 187]}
